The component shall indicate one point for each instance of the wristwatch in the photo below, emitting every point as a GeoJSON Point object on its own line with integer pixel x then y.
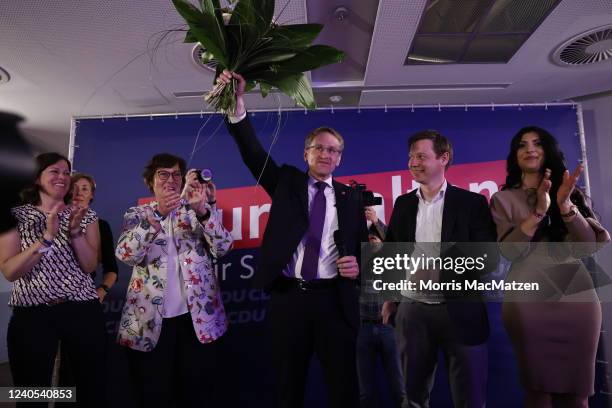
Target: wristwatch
{"type": "Point", "coordinates": [104, 287]}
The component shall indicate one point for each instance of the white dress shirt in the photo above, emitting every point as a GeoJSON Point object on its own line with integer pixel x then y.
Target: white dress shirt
{"type": "Point", "coordinates": [329, 252]}
{"type": "Point", "coordinates": [175, 297]}
{"type": "Point", "coordinates": [429, 217]}
{"type": "Point", "coordinates": [429, 232]}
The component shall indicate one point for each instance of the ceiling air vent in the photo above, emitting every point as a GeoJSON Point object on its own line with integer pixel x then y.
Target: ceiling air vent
{"type": "Point", "coordinates": [587, 48]}
{"type": "Point", "coordinates": [4, 76]}
{"type": "Point", "coordinates": [198, 54]}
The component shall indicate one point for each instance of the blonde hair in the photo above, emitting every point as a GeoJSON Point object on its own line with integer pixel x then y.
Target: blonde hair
{"type": "Point", "coordinates": [310, 137]}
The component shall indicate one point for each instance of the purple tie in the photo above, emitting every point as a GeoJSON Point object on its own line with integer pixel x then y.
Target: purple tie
{"type": "Point", "coordinates": [310, 264]}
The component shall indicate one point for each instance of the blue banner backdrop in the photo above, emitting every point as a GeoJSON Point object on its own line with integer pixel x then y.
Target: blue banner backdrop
{"type": "Point", "coordinates": [115, 151]}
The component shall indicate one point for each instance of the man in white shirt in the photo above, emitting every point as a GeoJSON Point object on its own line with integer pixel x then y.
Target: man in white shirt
{"type": "Point", "coordinates": [310, 271]}
{"type": "Point", "coordinates": [427, 323]}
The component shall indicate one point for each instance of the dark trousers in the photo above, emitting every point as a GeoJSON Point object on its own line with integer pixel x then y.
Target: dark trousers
{"type": "Point", "coordinates": [178, 372]}
{"type": "Point", "coordinates": [378, 341]}
{"type": "Point", "coordinates": [422, 330]}
{"type": "Point", "coordinates": [32, 340]}
{"type": "Point", "coordinates": [307, 322]}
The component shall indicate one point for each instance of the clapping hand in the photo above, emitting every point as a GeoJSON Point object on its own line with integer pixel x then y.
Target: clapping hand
{"type": "Point", "coordinates": [52, 222]}
{"type": "Point", "coordinates": [543, 195]}
{"type": "Point", "coordinates": [198, 194]}
{"type": "Point", "coordinates": [195, 192]}
{"type": "Point", "coordinates": [211, 192]}
{"type": "Point", "coordinates": [169, 201]}
{"type": "Point", "coordinates": [568, 184]}
{"type": "Point", "coordinates": [76, 216]}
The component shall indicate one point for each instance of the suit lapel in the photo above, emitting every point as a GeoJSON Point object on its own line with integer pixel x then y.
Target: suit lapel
{"type": "Point", "coordinates": [449, 214]}
{"type": "Point", "coordinates": [340, 192]}
{"type": "Point", "coordinates": [302, 192]}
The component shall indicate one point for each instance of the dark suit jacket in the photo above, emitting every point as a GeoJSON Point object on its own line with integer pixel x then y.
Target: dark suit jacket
{"type": "Point", "coordinates": [465, 218]}
{"type": "Point", "coordinates": [288, 220]}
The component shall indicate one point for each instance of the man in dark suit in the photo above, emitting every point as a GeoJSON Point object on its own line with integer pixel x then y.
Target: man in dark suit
{"type": "Point", "coordinates": [313, 284]}
{"type": "Point", "coordinates": [435, 215]}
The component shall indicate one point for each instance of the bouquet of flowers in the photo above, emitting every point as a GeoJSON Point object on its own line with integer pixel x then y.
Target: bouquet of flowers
{"type": "Point", "coordinates": [252, 44]}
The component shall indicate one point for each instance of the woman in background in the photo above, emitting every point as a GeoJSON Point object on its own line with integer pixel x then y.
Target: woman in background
{"type": "Point", "coordinates": [49, 257]}
{"type": "Point", "coordinates": [83, 189]}
{"type": "Point", "coordinates": [555, 337]}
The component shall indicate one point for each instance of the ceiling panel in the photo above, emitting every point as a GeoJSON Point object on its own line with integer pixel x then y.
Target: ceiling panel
{"type": "Point", "coordinates": [118, 57]}
{"type": "Point", "coordinates": [452, 16]}
{"type": "Point", "coordinates": [493, 48]}
{"type": "Point", "coordinates": [348, 25]}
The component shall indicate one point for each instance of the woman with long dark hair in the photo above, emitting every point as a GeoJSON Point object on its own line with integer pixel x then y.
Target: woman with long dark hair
{"type": "Point", "coordinates": [554, 331]}
{"type": "Point", "coordinates": [48, 257]}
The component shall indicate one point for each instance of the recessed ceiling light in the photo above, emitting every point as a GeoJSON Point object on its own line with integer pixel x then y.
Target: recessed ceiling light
{"type": "Point", "coordinates": [335, 98]}
{"type": "Point", "coordinates": [341, 13]}
{"type": "Point", "coordinates": [4, 76]}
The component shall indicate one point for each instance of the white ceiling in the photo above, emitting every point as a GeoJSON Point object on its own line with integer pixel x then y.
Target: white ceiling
{"type": "Point", "coordinates": [109, 57]}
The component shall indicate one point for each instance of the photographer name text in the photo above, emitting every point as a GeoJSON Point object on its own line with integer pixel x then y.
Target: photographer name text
{"type": "Point", "coordinates": [476, 285]}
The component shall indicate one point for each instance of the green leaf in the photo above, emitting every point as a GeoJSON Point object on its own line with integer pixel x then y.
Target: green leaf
{"type": "Point", "coordinates": [264, 53]}
{"type": "Point", "coordinates": [249, 86]}
{"type": "Point", "coordinates": [206, 26]}
{"type": "Point", "coordinates": [211, 45]}
{"type": "Point", "coordinates": [297, 87]}
{"type": "Point", "coordinates": [254, 15]}
{"type": "Point", "coordinates": [210, 6]}
{"type": "Point", "coordinates": [295, 35]}
{"type": "Point", "coordinates": [265, 74]}
{"type": "Point", "coordinates": [311, 58]}
{"type": "Point", "coordinates": [250, 21]}
{"type": "Point", "coordinates": [213, 8]}
{"type": "Point", "coordinates": [268, 58]}
{"type": "Point", "coordinates": [265, 89]}
{"type": "Point", "coordinates": [190, 38]}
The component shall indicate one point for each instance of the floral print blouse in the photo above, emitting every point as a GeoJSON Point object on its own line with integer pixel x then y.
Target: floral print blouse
{"type": "Point", "coordinates": [197, 242]}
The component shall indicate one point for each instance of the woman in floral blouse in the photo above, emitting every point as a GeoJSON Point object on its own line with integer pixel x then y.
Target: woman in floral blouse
{"type": "Point", "coordinates": [173, 311]}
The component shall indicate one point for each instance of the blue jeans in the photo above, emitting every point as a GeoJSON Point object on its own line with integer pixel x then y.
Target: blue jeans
{"type": "Point", "coordinates": [376, 340]}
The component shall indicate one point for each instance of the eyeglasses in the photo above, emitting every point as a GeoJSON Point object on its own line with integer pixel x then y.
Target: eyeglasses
{"type": "Point", "coordinates": [164, 175]}
{"type": "Point", "coordinates": [320, 149]}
